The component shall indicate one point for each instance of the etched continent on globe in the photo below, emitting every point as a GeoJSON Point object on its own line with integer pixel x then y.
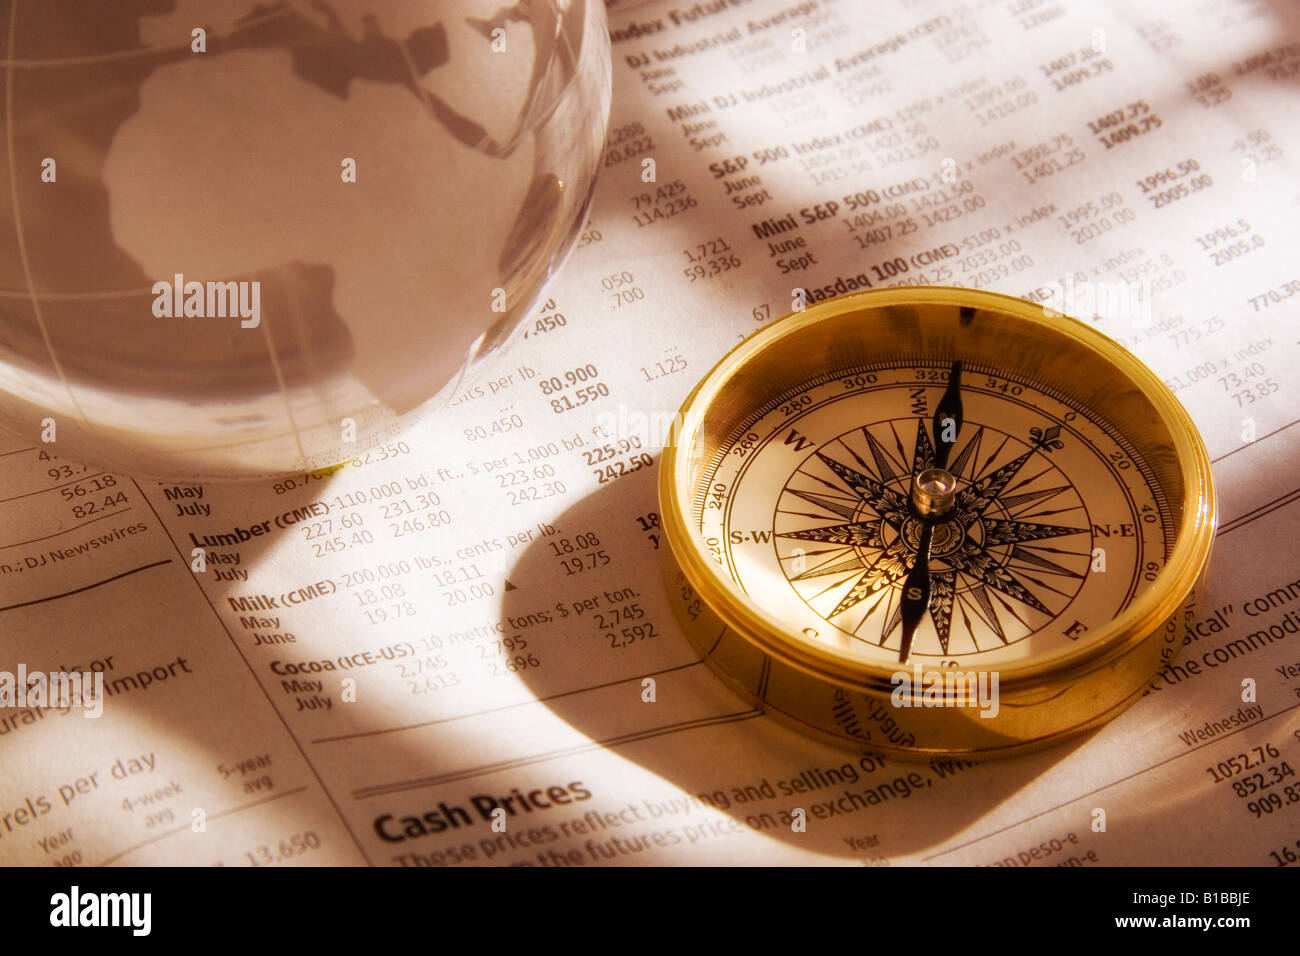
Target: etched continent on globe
{"type": "Point", "coordinates": [384, 174]}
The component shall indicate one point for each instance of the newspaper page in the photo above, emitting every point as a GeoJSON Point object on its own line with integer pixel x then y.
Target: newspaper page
{"type": "Point", "coordinates": [376, 661]}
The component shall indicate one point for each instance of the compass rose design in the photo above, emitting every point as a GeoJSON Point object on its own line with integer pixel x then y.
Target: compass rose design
{"type": "Point", "coordinates": [1011, 555]}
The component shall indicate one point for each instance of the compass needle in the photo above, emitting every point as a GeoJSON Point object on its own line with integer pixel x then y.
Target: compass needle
{"type": "Point", "coordinates": [947, 417]}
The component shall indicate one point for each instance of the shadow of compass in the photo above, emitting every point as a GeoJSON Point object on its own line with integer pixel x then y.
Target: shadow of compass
{"type": "Point", "coordinates": [601, 629]}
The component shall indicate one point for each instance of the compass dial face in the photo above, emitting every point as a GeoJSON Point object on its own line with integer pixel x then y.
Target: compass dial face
{"type": "Point", "coordinates": [1056, 524]}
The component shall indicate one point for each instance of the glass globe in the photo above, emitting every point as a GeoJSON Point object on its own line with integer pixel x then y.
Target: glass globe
{"type": "Point", "coordinates": [247, 238]}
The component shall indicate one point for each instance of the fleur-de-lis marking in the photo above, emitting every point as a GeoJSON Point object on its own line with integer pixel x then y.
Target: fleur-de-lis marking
{"type": "Point", "coordinates": [1046, 440]}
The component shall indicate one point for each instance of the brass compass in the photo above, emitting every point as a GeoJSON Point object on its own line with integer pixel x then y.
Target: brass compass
{"type": "Point", "coordinates": [935, 521]}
